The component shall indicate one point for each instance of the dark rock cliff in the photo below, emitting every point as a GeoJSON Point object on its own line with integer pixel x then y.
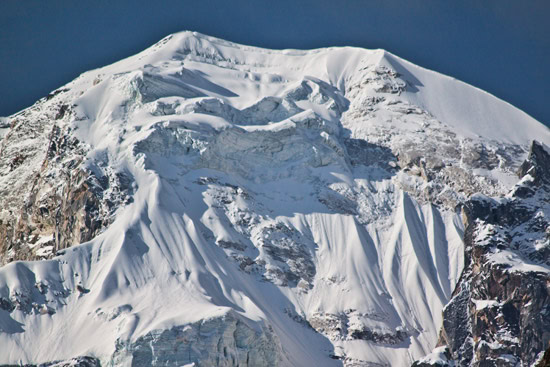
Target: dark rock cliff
{"type": "Point", "coordinates": [49, 197]}
{"type": "Point", "coordinates": [499, 314]}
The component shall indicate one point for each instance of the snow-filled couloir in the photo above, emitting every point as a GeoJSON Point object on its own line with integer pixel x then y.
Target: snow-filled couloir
{"type": "Point", "coordinates": [212, 203]}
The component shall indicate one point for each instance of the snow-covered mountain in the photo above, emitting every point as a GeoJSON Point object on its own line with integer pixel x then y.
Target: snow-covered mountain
{"type": "Point", "coordinates": [212, 203]}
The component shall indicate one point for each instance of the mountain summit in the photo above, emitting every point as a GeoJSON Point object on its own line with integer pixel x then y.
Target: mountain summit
{"type": "Point", "coordinates": [212, 204]}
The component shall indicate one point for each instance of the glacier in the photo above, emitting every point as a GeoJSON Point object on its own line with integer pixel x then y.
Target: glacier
{"type": "Point", "coordinates": [218, 204]}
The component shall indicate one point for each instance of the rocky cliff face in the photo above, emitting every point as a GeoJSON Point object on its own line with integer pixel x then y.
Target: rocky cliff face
{"type": "Point", "coordinates": [50, 196]}
{"type": "Point", "coordinates": [499, 314]}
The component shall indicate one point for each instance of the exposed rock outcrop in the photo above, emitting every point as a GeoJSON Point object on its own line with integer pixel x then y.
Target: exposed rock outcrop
{"type": "Point", "coordinates": [499, 314]}
{"type": "Point", "coordinates": [84, 361]}
{"type": "Point", "coordinates": [49, 197]}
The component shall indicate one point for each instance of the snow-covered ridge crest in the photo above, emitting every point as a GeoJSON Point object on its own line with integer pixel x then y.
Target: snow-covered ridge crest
{"type": "Point", "coordinates": [465, 108]}
{"type": "Point", "coordinates": [226, 204]}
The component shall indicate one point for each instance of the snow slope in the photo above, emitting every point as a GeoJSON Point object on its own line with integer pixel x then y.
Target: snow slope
{"type": "Point", "coordinates": [278, 215]}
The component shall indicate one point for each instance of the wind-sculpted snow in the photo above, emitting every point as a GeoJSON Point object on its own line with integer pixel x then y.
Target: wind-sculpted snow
{"type": "Point", "coordinates": [243, 206]}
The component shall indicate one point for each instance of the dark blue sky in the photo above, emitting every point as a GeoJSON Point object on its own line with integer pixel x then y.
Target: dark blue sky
{"type": "Point", "coordinates": [502, 46]}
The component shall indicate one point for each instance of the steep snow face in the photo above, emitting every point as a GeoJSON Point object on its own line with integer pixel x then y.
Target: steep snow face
{"type": "Point", "coordinates": [252, 206]}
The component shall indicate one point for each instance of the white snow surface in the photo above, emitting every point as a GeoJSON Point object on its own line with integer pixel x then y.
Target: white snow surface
{"type": "Point", "coordinates": [230, 144]}
{"type": "Point", "coordinates": [437, 358]}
